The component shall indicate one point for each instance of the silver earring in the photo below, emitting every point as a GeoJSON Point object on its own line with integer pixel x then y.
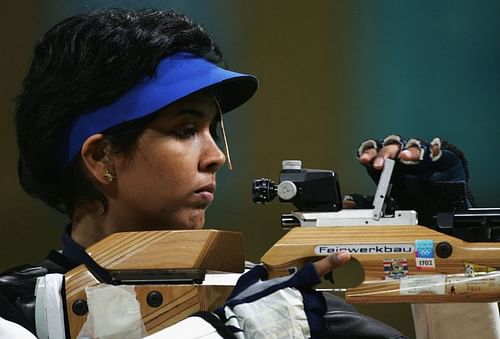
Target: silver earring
{"type": "Point", "coordinates": [109, 175]}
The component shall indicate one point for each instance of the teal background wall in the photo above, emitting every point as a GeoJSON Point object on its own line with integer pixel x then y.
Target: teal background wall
{"type": "Point", "coordinates": [332, 74]}
{"type": "Point", "coordinates": [430, 68]}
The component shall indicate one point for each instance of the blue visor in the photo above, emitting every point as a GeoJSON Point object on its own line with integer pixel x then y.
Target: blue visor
{"type": "Point", "coordinates": [177, 77]}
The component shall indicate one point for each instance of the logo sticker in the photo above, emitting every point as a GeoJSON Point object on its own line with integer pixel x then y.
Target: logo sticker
{"type": "Point", "coordinates": [364, 248]}
{"type": "Point", "coordinates": [472, 269]}
{"type": "Point", "coordinates": [424, 255]}
{"type": "Point", "coordinates": [395, 268]}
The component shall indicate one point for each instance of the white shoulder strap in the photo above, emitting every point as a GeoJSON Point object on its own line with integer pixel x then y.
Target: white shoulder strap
{"type": "Point", "coordinates": [49, 311]}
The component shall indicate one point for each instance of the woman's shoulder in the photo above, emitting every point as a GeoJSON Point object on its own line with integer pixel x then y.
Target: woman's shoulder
{"type": "Point", "coordinates": [17, 294]}
{"type": "Point", "coordinates": [18, 285]}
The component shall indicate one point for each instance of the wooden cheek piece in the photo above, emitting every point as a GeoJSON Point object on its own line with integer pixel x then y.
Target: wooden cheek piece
{"type": "Point", "coordinates": [162, 304]}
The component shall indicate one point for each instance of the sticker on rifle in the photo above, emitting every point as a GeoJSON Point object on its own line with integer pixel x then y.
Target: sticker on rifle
{"type": "Point", "coordinates": [364, 248]}
{"type": "Point", "coordinates": [423, 284]}
{"type": "Point", "coordinates": [424, 255]}
{"type": "Point", "coordinates": [395, 268]}
{"type": "Point", "coordinates": [471, 269]}
{"type": "Point", "coordinates": [482, 283]}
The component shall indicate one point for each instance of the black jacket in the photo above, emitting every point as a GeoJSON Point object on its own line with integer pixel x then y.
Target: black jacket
{"type": "Point", "coordinates": [17, 288]}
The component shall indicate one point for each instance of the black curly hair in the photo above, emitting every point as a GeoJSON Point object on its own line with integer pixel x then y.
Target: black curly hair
{"type": "Point", "coordinates": [85, 62]}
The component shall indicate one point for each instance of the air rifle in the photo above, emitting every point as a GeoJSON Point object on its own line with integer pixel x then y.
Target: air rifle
{"type": "Point", "coordinates": [402, 261]}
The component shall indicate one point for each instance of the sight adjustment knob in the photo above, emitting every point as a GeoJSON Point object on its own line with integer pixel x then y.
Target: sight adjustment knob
{"type": "Point", "coordinates": [263, 191]}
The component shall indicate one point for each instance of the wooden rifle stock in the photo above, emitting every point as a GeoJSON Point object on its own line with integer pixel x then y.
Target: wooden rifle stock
{"type": "Point", "coordinates": [453, 271]}
{"type": "Point", "coordinates": [171, 264]}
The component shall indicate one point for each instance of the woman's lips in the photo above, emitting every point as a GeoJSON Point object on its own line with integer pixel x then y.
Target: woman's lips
{"type": "Point", "coordinates": [205, 196]}
{"type": "Point", "coordinates": [206, 193]}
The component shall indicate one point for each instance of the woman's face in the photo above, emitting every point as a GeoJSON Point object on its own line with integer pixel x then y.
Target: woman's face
{"type": "Point", "coordinates": [168, 180]}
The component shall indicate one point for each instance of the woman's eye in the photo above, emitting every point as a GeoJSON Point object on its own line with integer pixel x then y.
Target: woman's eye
{"type": "Point", "coordinates": [185, 132]}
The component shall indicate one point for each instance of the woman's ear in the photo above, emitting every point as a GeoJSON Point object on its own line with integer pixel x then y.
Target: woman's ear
{"type": "Point", "coordinates": [97, 156]}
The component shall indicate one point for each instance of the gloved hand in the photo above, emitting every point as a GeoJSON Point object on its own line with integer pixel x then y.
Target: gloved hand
{"type": "Point", "coordinates": [286, 307]}
{"type": "Point", "coordinates": [428, 177]}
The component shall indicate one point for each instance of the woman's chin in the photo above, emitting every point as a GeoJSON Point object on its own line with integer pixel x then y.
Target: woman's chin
{"type": "Point", "coordinates": [195, 221]}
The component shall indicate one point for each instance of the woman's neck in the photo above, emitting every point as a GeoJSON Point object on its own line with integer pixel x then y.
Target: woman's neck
{"type": "Point", "coordinates": [92, 224]}
{"type": "Point", "coordinates": [88, 226]}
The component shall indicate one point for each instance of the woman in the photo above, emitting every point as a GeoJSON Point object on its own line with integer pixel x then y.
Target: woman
{"type": "Point", "coordinates": [126, 144]}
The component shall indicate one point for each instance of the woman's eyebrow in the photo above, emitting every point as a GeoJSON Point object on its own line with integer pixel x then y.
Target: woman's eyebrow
{"type": "Point", "coordinates": [190, 111]}
{"type": "Point", "coordinates": [196, 113]}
